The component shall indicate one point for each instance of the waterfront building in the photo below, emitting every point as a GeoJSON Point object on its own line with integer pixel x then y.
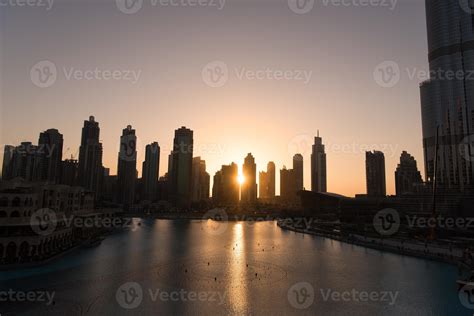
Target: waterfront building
{"type": "Point", "coordinates": [318, 166]}
{"type": "Point", "coordinates": [375, 174]}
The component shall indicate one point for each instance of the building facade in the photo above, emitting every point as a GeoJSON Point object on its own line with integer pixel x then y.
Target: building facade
{"type": "Point", "coordinates": [318, 166]}
{"type": "Point", "coordinates": [407, 175]}
{"type": "Point", "coordinates": [127, 167]}
{"type": "Point", "coordinates": [249, 187]}
{"type": "Point", "coordinates": [90, 157]}
{"type": "Point", "coordinates": [180, 167]}
{"type": "Point", "coordinates": [375, 174]}
{"type": "Point", "coordinates": [447, 102]}
{"type": "Point", "coordinates": [150, 171]}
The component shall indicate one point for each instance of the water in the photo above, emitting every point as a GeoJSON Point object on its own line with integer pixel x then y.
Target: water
{"type": "Point", "coordinates": [236, 268]}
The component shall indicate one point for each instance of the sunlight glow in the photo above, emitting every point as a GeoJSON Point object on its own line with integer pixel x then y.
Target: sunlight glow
{"type": "Point", "coordinates": [241, 178]}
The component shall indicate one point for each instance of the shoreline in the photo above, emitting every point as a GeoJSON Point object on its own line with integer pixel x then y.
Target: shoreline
{"type": "Point", "coordinates": [453, 260]}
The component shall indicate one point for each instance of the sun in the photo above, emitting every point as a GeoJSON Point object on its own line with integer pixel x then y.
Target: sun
{"type": "Point", "coordinates": [241, 178]}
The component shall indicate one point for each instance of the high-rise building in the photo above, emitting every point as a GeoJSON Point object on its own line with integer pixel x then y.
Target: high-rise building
{"type": "Point", "coordinates": [181, 162]}
{"type": "Point", "coordinates": [26, 162]}
{"type": "Point", "coordinates": [287, 184]}
{"type": "Point", "coordinates": [375, 174]}
{"type": "Point", "coordinates": [407, 175]}
{"type": "Point", "coordinates": [298, 171]}
{"type": "Point", "coordinates": [127, 167]}
{"type": "Point", "coordinates": [50, 147]}
{"type": "Point", "coordinates": [447, 103]}
{"type": "Point", "coordinates": [262, 184]}
{"type": "Point", "coordinates": [225, 189]}
{"type": "Point", "coordinates": [69, 169]}
{"type": "Point", "coordinates": [150, 171]}
{"type": "Point", "coordinates": [271, 180]}
{"type": "Point", "coordinates": [318, 166]}
{"type": "Point", "coordinates": [200, 181]}
{"type": "Point", "coordinates": [90, 157]}
{"type": "Point", "coordinates": [249, 187]}
{"type": "Point", "coordinates": [7, 171]}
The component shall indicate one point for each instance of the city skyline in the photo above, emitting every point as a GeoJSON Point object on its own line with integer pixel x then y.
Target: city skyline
{"type": "Point", "coordinates": [171, 93]}
{"type": "Point", "coordinates": [129, 150]}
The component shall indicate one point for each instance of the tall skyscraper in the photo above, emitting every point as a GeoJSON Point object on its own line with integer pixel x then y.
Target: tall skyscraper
{"type": "Point", "coordinates": [447, 104]}
{"type": "Point", "coordinates": [287, 184]}
{"type": "Point", "coordinates": [150, 171]}
{"type": "Point", "coordinates": [50, 146]}
{"type": "Point", "coordinates": [7, 168]}
{"type": "Point", "coordinates": [200, 181]}
{"type": "Point", "coordinates": [375, 174]}
{"type": "Point", "coordinates": [298, 171]}
{"type": "Point", "coordinates": [127, 167]}
{"type": "Point", "coordinates": [262, 184]}
{"type": "Point", "coordinates": [318, 166]}
{"type": "Point", "coordinates": [407, 175]}
{"type": "Point", "coordinates": [90, 157]}
{"type": "Point", "coordinates": [181, 162]}
{"type": "Point", "coordinates": [249, 187]}
{"type": "Point", "coordinates": [225, 190]}
{"type": "Point", "coordinates": [271, 180]}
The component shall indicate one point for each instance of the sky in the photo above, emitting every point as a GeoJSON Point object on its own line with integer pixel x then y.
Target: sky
{"type": "Point", "coordinates": [260, 76]}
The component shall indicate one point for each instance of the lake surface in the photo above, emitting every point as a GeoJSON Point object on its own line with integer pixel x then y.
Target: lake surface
{"type": "Point", "coordinates": [175, 267]}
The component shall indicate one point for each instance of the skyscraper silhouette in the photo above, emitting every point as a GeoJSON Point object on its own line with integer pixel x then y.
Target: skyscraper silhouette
{"type": "Point", "coordinates": [225, 190]}
{"type": "Point", "coordinates": [90, 172]}
{"type": "Point", "coordinates": [298, 171]}
{"type": "Point", "coordinates": [50, 145]}
{"type": "Point", "coordinates": [200, 181]}
{"type": "Point", "coordinates": [249, 187]}
{"type": "Point", "coordinates": [318, 166]}
{"type": "Point", "coordinates": [448, 103]}
{"type": "Point", "coordinates": [375, 174]}
{"type": "Point", "coordinates": [180, 172]}
{"type": "Point", "coordinates": [407, 175]}
{"type": "Point", "coordinates": [127, 167]}
{"type": "Point", "coordinates": [150, 171]}
{"type": "Point", "coordinates": [271, 180]}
